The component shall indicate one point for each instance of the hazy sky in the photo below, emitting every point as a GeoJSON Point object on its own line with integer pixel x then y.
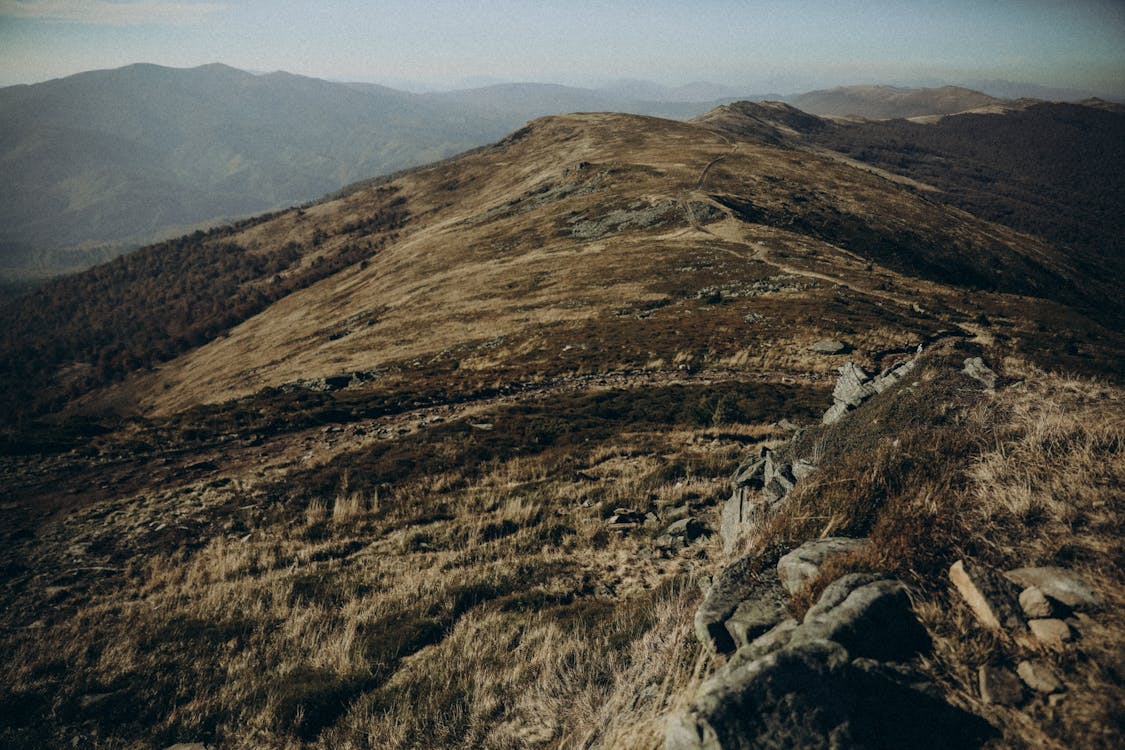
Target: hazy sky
{"type": "Point", "coordinates": [782, 46]}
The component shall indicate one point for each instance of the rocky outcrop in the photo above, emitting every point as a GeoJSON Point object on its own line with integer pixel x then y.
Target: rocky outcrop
{"type": "Point", "coordinates": [976, 369]}
{"type": "Point", "coordinates": [855, 385]}
{"type": "Point", "coordinates": [828, 682]}
{"type": "Point", "coordinates": [736, 583]}
{"type": "Point", "coordinates": [757, 487]}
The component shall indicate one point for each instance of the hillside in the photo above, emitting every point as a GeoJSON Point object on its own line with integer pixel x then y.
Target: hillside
{"type": "Point", "coordinates": [107, 160]}
{"type": "Point", "coordinates": [889, 102]}
{"type": "Point", "coordinates": [445, 459]}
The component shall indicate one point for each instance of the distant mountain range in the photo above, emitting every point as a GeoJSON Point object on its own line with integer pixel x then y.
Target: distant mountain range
{"type": "Point", "coordinates": [101, 162]}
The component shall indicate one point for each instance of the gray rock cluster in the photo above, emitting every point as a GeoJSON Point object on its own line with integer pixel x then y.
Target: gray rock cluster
{"type": "Point", "coordinates": [1038, 602]}
{"type": "Point", "coordinates": [838, 678]}
{"type": "Point", "coordinates": [744, 603]}
{"type": "Point", "coordinates": [855, 385]}
{"type": "Point", "coordinates": [757, 487]}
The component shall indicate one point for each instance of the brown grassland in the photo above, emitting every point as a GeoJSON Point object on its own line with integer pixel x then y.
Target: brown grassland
{"type": "Point", "coordinates": [373, 511]}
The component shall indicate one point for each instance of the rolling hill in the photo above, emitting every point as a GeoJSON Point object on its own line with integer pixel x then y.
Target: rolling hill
{"type": "Point", "coordinates": [107, 160]}
{"type": "Point", "coordinates": [446, 458]}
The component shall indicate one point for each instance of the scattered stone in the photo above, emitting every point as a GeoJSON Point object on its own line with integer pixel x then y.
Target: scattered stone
{"type": "Point", "coordinates": [999, 686]}
{"type": "Point", "coordinates": [1034, 603]}
{"type": "Point", "coordinates": [187, 746]}
{"type": "Point", "coordinates": [870, 618]}
{"type": "Point", "coordinates": [757, 615]}
{"type": "Point", "coordinates": [1059, 584]}
{"type": "Point", "coordinates": [976, 369]}
{"type": "Point", "coordinates": [811, 696]}
{"type": "Point", "coordinates": [1050, 632]}
{"type": "Point", "coordinates": [1039, 677]}
{"type": "Point", "coordinates": [987, 595]}
{"type": "Point", "coordinates": [829, 346]}
{"type": "Point", "coordinates": [804, 562]}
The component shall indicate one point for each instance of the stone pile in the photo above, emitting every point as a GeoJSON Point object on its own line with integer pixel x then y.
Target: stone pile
{"type": "Point", "coordinates": [1038, 602]}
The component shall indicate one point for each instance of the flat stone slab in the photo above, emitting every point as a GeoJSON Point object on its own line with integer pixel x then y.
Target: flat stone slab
{"type": "Point", "coordinates": [829, 346]}
{"type": "Point", "coordinates": [1051, 632]}
{"type": "Point", "coordinates": [1060, 584]}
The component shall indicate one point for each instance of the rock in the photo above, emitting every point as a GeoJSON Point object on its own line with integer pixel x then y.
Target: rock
{"type": "Point", "coordinates": [1059, 584]}
{"type": "Point", "coordinates": [888, 378]}
{"type": "Point", "coordinates": [804, 562]}
{"type": "Point", "coordinates": [987, 595]}
{"type": "Point", "coordinates": [757, 615]}
{"type": "Point", "coordinates": [749, 473]}
{"type": "Point", "coordinates": [853, 385]}
{"type": "Point", "coordinates": [738, 582]}
{"type": "Point", "coordinates": [187, 746]}
{"type": "Point", "coordinates": [1050, 632]}
{"type": "Point", "coordinates": [999, 686]}
{"type": "Point", "coordinates": [1039, 677]}
{"type": "Point", "coordinates": [626, 517]}
{"type": "Point", "coordinates": [689, 528]}
{"type": "Point", "coordinates": [802, 469]}
{"type": "Point", "coordinates": [834, 413]}
{"type": "Point", "coordinates": [976, 369]}
{"type": "Point", "coordinates": [1034, 603]}
{"type": "Point", "coordinates": [869, 618]}
{"type": "Point", "coordinates": [811, 696]}
{"type": "Point", "coordinates": [773, 639]}
{"type": "Point", "coordinates": [829, 346]}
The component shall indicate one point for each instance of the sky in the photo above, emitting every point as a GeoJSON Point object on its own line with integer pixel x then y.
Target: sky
{"type": "Point", "coordinates": [769, 46]}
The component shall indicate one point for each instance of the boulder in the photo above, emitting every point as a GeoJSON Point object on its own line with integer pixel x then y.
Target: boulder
{"type": "Point", "coordinates": [804, 562]}
{"type": "Point", "coordinates": [1050, 632]}
{"type": "Point", "coordinates": [738, 582]}
{"type": "Point", "coordinates": [755, 616]}
{"type": "Point", "coordinates": [853, 386]}
{"type": "Point", "coordinates": [683, 532]}
{"type": "Point", "coordinates": [829, 346]}
{"type": "Point", "coordinates": [749, 473]}
{"type": "Point", "coordinates": [803, 468]}
{"type": "Point", "coordinates": [1039, 677]}
{"type": "Point", "coordinates": [834, 413]}
{"type": "Point", "coordinates": [976, 369]}
{"type": "Point", "coordinates": [1034, 603]}
{"type": "Point", "coordinates": [870, 618]}
{"type": "Point", "coordinates": [1060, 584]}
{"type": "Point", "coordinates": [989, 596]}
{"type": "Point", "coordinates": [891, 376]}
{"type": "Point", "coordinates": [999, 686]}
{"type": "Point", "coordinates": [811, 696]}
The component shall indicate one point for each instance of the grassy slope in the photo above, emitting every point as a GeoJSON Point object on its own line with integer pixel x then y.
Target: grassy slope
{"type": "Point", "coordinates": [423, 557]}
